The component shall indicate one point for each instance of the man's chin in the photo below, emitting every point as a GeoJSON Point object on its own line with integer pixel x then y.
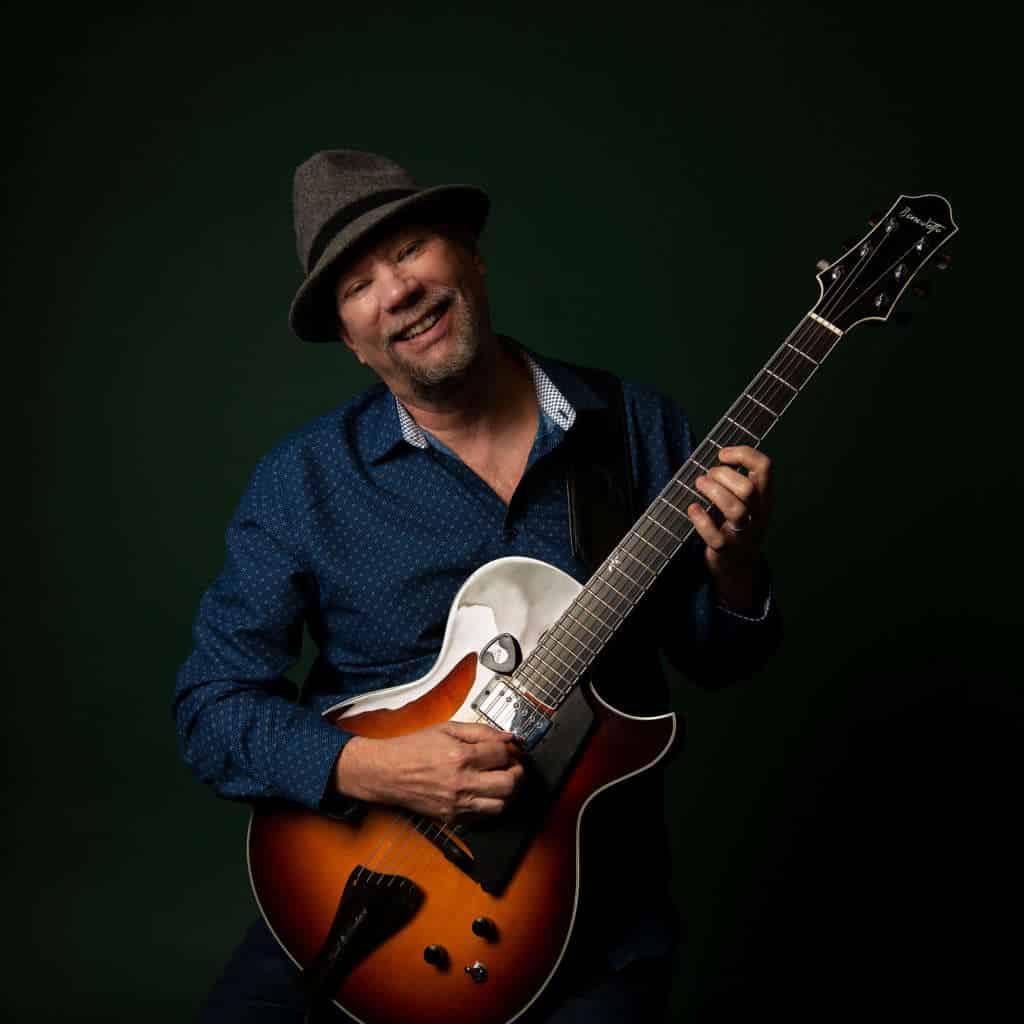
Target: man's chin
{"type": "Point", "coordinates": [444, 376]}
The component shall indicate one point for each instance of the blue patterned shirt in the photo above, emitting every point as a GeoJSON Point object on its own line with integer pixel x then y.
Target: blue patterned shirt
{"type": "Point", "coordinates": [363, 526]}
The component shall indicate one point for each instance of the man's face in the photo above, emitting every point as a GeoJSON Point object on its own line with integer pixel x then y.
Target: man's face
{"type": "Point", "coordinates": [413, 307]}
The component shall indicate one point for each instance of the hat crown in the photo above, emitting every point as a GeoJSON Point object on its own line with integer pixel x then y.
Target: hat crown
{"type": "Point", "coordinates": [336, 180]}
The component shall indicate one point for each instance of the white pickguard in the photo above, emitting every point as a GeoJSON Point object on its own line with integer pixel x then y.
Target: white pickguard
{"type": "Point", "coordinates": [521, 596]}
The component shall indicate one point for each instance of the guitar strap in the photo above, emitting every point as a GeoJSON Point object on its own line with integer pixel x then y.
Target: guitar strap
{"type": "Point", "coordinates": [599, 482]}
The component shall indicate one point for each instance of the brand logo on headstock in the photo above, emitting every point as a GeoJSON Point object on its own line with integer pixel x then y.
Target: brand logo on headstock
{"type": "Point", "coordinates": [929, 225]}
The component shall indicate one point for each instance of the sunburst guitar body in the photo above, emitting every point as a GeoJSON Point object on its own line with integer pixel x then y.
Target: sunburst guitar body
{"type": "Point", "coordinates": [460, 954]}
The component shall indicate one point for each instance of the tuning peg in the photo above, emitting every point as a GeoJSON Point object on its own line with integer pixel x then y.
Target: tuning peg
{"type": "Point", "coordinates": [823, 265]}
{"type": "Point", "coordinates": [942, 261]}
{"type": "Point", "coordinates": [873, 220]}
{"type": "Point", "coordinates": [922, 289]}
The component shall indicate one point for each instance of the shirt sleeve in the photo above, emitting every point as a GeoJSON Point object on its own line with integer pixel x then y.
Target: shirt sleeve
{"type": "Point", "coordinates": [709, 643]}
{"type": "Point", "coordinates": [239, 724]}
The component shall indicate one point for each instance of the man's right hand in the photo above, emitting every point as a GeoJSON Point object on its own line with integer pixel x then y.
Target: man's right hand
{"type": "Point", "coordinates": [449, 771]}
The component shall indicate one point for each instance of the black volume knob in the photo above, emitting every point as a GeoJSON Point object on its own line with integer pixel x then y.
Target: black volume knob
{"type": "Point", "coordinates": [436, 955]}
{"type": "Point", "coordinates": [485, 928]}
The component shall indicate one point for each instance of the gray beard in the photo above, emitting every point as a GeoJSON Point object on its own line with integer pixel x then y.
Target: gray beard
{"type": "Point", "coordinates": [447, 378]}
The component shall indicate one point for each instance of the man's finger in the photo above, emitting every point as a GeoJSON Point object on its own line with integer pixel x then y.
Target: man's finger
{"type": "Point", "coordinates": [705, 526]}
{"type": "Point", "coordinates": [754, 461]}
{"type": "Point", "coordinates": [488, 756]}
{"type": "Point", "coordinates": [743, 487]}
{"type": "Point", "coordinates": [472, 732]}
{"type": "Point", "coordinates": [724, 499]}
{"type": "Point", "coordinates": [500, 783]}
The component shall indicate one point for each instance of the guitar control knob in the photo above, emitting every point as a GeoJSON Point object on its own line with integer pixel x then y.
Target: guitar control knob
{"type": "Point", "coordinates": [485, 928]}
{"type": "Point", "coordinates": [477, 971]}
{"type": "Point", "coordinates": [436, 955]}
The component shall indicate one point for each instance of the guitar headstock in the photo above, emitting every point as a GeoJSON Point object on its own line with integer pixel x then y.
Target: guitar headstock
{"type": "Point", "coordinates": [867, 281]}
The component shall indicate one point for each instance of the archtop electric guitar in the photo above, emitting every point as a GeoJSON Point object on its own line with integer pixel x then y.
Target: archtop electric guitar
{"type": "Point", "coordinates": [401, 919]}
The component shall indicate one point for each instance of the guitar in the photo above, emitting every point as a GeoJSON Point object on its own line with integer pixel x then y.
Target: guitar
{"type": "Point", "coordinates": [402, 919]}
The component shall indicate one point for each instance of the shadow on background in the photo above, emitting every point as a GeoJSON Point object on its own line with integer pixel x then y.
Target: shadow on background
{"type": "Point", "coordinates": [880, 867]}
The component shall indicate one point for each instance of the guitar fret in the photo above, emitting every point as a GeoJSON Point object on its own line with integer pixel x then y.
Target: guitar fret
{"type": "Point", "coordinates": [654, 537]}
{"type": "Point", "coordinates": [671, 506]}
{"type": "Point", "coordinates": [770, 393]}
{"type": "Point", "coordinates": [610, 607]}
{"type": "Point", "coordinates": [701, 499]}
{"type": "Point", "coordinates": [804, 354]}
{"type": "Point", "coordinates": [663, 527]}
{"type": "Point", "coordinates": [568, 648]}
{"type": "Point", "coordinates": [589, 593]}
{"type": "Point", "coordinates": [615, 566]}
{"type": "Point", "coordinates": [611, 586]}
{"type": "Point", "coordinates": [568, 612]}
{"type": "Point", "coordinates": [749, 433]}
{"type": "Point", "coordinates": [783, 381]}
{"type": "Point", "coordinates": [626, 551]}
{"type": "Point", "coordinates": [747, 394]}
{"type": "Point", "coordinates": [585, 650]}
{"type": "Point", "coordinates": [796, 372]}
{"type": "Point", "coordinates": [758, 419]}
{"type": "Point", "coordinates": [536, 667]}
{"type": "Point", "coordinates": [647, 542]}
{"type": "Point", "coordinates": [555, 654]}
{"type": "Point", "coordinates": [539, 652]}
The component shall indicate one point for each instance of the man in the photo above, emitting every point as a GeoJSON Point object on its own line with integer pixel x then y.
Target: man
{"type": "Point", "coordinates": [365, 523]}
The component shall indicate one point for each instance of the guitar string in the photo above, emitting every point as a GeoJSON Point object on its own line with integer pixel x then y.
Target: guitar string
{"type": "Point", "coordinates": [765, 389]}
{"type": "Point", "coordinates": [409, 823]}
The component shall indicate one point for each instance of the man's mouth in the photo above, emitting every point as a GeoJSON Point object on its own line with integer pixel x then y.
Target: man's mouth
{"type": "Point", "coordinates": [424, 323]}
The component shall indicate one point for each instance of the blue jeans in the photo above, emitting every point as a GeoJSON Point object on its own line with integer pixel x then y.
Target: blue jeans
{"type": "Point", "coordinates": [258, 986]}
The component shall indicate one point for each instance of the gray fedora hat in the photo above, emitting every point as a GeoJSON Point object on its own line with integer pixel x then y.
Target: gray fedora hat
{"type": "Point", "coordinates": [340, 196]}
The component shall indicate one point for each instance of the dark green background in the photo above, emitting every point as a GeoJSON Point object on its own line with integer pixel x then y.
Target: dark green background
{"type": "Point", "coordinates": [663, 185]}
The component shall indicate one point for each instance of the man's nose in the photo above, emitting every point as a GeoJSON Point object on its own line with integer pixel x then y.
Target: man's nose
{"type": "Point", "coordinates": [400, 288]}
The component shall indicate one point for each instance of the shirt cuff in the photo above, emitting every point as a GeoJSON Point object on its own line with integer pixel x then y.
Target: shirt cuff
{"type": "Point", "coordinates": [752, 616]}
{"type": "Point", "coordinates": [338, 805]}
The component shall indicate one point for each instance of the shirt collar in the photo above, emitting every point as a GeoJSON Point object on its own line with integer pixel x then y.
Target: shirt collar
{"type": "Point", "coordinates": [561, 393]}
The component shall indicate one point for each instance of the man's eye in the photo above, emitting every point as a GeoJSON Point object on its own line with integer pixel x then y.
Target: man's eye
{"type": "Point", "coordinates": [411, 249]}
{"type": "Point", "coordinates": [355, 288]}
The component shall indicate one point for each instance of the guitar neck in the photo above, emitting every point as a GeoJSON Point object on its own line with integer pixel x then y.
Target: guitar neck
{"type": "Point", "coordinates": [570, 646]}
{"type": "Point", "coordinates": [865, 283]}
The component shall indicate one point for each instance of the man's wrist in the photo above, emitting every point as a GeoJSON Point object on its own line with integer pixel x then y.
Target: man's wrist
{"type": "Point", "coordinates": [742, 589]}
{"type": "Point", "coordinates": [343, 797]}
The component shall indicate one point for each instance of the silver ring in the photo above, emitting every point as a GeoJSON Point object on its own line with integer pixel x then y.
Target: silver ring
{"type": "Point", "coordinates": [736, 527]}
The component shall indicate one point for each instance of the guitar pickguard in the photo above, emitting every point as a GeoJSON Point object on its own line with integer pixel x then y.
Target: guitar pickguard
{"type": "Point", "coordinates": [498, 844]}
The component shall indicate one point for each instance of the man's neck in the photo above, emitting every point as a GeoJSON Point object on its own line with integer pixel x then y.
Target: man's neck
{"type": "Point", "coordinates": [494, 400]}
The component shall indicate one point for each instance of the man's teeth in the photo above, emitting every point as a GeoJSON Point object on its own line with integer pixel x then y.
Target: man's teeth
{"type": "Point", "coordinates": [422, 325]}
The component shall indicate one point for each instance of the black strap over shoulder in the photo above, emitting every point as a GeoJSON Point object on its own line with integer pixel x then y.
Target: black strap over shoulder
{"type": "Point", "coordinates": [600, 475]}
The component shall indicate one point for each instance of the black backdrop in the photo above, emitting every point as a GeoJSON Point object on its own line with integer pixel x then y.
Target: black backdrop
{"type": "Point", "coordinates": [662, 190]}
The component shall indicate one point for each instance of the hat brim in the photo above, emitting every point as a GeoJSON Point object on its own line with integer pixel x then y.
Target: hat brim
{"type": "Point", "coordinates": [313, 315]}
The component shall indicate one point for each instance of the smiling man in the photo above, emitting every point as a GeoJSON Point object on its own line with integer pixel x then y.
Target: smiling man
{"type": "Point", "coordinates": [364, 524]}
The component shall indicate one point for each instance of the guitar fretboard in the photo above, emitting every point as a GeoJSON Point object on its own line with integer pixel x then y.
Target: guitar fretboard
{"type": "Point", "coordinates": [569, 647]}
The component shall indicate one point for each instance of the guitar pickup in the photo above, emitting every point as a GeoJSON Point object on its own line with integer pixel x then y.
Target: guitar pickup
{"type": "Point", "coordinates": [508, 709]}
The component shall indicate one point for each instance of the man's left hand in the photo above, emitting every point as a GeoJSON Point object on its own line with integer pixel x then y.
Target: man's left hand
{"type": "Point", "coordinates": [733, 550]}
